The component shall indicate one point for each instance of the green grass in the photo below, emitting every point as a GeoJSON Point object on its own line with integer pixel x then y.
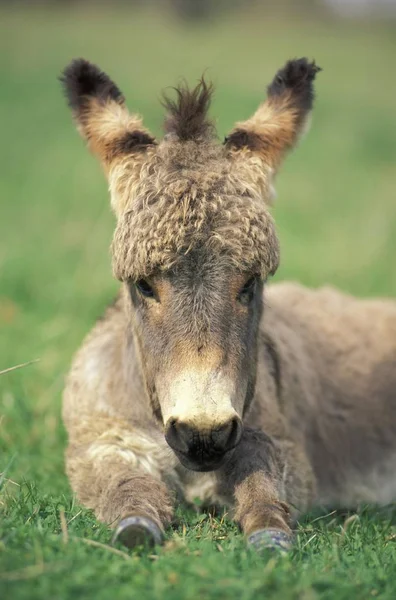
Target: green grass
{"type": "Point", "coordinates": [336, 216]}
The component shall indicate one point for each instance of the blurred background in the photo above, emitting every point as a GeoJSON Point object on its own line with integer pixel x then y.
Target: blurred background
{"type": "Point", "coordinates": [336, 204]}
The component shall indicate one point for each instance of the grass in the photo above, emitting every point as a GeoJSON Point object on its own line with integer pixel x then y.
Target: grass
{"type": "Point", "coordinates": [336, 216]}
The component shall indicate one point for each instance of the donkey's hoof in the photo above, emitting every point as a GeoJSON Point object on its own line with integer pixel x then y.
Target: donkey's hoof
{"type": "Point", "coordinates": [138, 531]}
{"type": "Point", "coordinates": [274, 540]}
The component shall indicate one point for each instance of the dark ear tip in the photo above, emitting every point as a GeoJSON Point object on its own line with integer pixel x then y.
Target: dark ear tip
{"type": "Point", "coordinates": [77, 63]}
{"type": "Point", "coordinates": [78, 69]}
{"type": "Point", "coordinates": [296, 75]}
{"type": "Point", "coordinates": [82, 79]}
{"type": "Point", "coordinates": [299, 70]}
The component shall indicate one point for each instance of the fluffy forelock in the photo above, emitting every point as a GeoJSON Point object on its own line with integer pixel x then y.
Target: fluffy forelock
{"type": "Point", "coordinates": [187, 197]}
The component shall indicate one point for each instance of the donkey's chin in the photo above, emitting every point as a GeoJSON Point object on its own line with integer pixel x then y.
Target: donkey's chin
{"type": "Point", "coordinates": [203, 465]}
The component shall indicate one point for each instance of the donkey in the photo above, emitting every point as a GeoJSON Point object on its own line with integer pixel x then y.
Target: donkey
{"type": "Point", "coordinates": [193, 386]}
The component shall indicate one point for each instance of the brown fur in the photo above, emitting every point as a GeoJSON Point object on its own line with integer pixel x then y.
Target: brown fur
{"type": "Point", "coordinates": [102, 118]}
{"type": "Point", "coordinates": [276, 125]}
{"type": "Point", "coordinates": [305, 382]}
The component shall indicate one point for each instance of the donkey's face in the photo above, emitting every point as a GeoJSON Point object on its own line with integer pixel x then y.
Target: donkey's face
{"type": "Point", "coordinates": [194, 245]}
{"type": "Point", "coordinates": [196, 327]}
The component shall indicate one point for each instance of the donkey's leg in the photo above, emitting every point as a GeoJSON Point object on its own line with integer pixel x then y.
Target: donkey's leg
{"type": "Point", "coordinates": [119, 470]}
{"type": "Point", "coordinates": [266, 478]}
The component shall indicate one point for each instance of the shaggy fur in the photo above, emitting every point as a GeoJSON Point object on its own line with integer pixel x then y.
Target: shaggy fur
{"type": "Point", "coordinates": [191, 200]}
{"type": "Point", "coordinates": [306, 382]}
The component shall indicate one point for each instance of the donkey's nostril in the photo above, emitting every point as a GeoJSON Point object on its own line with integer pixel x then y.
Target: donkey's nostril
{"type": "Point", "coordinates": [173, 436]}
{"type": "Point", "coordinates": [228, 435]}
{"type": "Point", "coordinates": [236, 432]}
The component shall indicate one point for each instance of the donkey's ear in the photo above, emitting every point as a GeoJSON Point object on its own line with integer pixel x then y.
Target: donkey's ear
{"type": "Point", "coordinates": [101, 115]}
{"type": "Point", "coordinates": [277, 124]}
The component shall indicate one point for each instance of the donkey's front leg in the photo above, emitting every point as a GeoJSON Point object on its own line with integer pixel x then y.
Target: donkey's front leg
{"type": "Point", "coordinates": [119, 470]}
{"type": "Point", "coordinates": [256, 477]}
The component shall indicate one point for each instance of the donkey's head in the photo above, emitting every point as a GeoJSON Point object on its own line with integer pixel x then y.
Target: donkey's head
{"type": "Point", "coordinates": [194, 244]}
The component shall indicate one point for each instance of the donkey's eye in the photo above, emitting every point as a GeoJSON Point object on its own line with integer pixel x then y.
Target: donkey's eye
{"type": "Point", "coordinates": [247, 292]}
{"type": "Point", "coordinates": [145, 288]}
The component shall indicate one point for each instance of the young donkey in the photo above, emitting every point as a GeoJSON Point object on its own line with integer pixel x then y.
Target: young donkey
{"type": "Point", "coordinates": [188, 387]}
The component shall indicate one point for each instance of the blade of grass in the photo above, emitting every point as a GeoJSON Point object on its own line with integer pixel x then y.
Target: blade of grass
{"type": "Point", "coordinates": [26, 364]}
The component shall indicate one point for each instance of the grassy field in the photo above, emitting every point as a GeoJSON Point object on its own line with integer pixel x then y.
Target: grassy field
{"type": "Point", "coordinates": [336, 216]}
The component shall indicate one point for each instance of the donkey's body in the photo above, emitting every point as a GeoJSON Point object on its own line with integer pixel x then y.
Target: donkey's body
{"type": "Point", "coordinates": [326, 382]}
{"type": "Point", "coordinates": [282, 406]}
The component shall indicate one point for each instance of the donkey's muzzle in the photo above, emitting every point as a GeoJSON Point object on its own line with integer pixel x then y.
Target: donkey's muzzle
{"type": "Point", "coordinates": [203, 450]}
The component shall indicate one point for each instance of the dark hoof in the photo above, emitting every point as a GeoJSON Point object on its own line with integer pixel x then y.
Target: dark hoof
{"type": "Point", "coordinates": [275, 540]}
{"type": "Point", "coordinates": [137, 531]}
